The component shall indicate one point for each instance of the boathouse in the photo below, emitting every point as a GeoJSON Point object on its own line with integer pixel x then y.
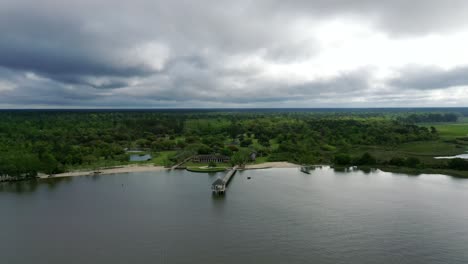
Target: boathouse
{"type": "Point", "coordinates": [218, 186]}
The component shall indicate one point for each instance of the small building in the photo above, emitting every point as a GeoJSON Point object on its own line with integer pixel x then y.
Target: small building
{"type": "Point", "coordinates": [253, 156]}
{"type": "Point", "coordinates": [210, 158]}
{"type": "Point", "coordinates": [218, 186]}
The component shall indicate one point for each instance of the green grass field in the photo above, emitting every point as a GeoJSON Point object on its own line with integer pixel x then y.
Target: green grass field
{"type": "Point", "coordinates": [446, 145]}
{"type": "Point", "coordinates": [452, 130]}
{"type": "Point", "coordinates": [429, 148]}
{"type": "Point", "coordinates": [259, 160]}
{"type": "Point", "coordinates": [161, 158]}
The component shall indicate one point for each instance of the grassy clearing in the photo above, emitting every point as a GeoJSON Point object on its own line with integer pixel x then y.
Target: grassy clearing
{"type": "Point", "coordinates": [429, 148]}
{"type": "Point", "coordinates": [259, 160]}
{"type": "Point", "coordinates": [424, 151]}
{"type": "Point", "coordinates": [161, 158]}
{"type": "Point", "coordinates": [451, 130]}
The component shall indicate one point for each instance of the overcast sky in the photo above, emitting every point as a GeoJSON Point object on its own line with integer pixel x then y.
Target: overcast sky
{"type": "Point", "coordinates": [174, 53]}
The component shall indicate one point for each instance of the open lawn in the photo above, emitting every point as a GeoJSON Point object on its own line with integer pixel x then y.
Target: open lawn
{"type": "Point", "coordinates": [424, 151]}
{"type": "Point", "coordinates": [430, 148]}
{"type": "Point", "coordinates": [259, 160]}
{"type": "Point", "coordinates": [451, 130]}
{"type": "Point", "coordinates": [161, 158]}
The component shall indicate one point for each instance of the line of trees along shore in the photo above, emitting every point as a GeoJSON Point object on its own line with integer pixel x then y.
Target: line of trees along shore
{"type": "Point", "coordinates": [55, 141]}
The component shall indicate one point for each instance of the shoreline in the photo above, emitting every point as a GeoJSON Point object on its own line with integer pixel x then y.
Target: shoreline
{"type": "Point", "coordinates": [265, 165]}
{"type": "Point", "coordinates": [107, 171]}
{"type": "Point", "coordinates": [149, 168]}
{"type": "Point", "coordinates": [269, 165]}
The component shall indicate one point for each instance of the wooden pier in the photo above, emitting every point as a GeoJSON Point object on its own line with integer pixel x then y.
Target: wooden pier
{"type": "Point", "coordinates": [180, 163]}
{"type": "Point", "coordinates": [219, 186]}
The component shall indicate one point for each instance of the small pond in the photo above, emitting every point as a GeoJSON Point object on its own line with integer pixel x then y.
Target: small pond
{"type": "Point", "coordinates": [140, 157]}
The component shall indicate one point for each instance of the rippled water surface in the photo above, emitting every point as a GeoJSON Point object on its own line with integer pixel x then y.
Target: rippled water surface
{"type": "Point", "coordinates": [278, 216]}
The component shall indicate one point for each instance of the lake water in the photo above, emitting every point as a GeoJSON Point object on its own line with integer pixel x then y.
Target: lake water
{"type": "Point", "coordinates": [138, 157]}
{"type": "Point", "coordinates": [278, 216]}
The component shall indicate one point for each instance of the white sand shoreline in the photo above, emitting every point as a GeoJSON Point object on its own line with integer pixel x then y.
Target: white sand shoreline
{"type": "Point", "coordinates": [149, 168]}
{"type": "Point", "coordinates": [106, 171]}
{"type": "Point", "coordinates": [276, 164]}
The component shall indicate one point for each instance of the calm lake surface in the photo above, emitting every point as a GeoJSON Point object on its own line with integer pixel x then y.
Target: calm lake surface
{"type": "Point", "coordinates": [278, 216]}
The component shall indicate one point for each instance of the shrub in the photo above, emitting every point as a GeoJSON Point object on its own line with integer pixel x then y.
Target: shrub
{"type": "Point", "coordinates": [397, 161]}
{"type": "Point", "coordinates": [458, 164]}
{"type": "Point", "coordinates": [412, 162]}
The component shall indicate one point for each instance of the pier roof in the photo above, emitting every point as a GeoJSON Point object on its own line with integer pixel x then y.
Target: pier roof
{"type": "Point", "coordinates": [218, 181]}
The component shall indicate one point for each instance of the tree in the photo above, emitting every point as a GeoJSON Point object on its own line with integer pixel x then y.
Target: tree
{"type": "Point", "coordinates": [49, 163]}
{"type": "Point", "coordinates": [342, 159]}
{"type": "Point", "coordinates": [226, 152]}
{"type": "Point", "coordinates": [366, 159]}
{"type": "Point", "coordinates": [240, 158]}
{"type": "Point", "coordinates": [412, 162]}
{"type": "Point", "coordinates": [458, 164]}
{"type": "Point", "coordinates": [397, 161]}
{"type": "Point", "coordinates": [246, 142]}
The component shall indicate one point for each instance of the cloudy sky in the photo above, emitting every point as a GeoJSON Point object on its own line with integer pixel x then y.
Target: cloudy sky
{"type": "Point", "coordinates": [215, 53]}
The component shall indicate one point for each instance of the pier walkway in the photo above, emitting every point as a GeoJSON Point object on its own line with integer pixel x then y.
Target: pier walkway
{"type": "Point", "coordinates": [219, 186]}
{"type": "Point", "coordinates": [180, 163]}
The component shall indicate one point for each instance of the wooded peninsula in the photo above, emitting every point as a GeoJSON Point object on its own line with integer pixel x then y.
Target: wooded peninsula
{"type": "Point", "coordinates": [400, 140]}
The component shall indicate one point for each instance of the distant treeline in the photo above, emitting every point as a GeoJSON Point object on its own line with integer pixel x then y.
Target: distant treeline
{"type": "Point", "coordinates": [429, 118]}
{"type": "Point", "coordinates": [55, 141]}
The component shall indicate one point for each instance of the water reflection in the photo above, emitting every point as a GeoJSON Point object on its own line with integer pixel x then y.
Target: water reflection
{"type": "Point", "coordinates": [218, 202]}
{"type": "Point", "coordinates": [94, 177]}
{"type": "Point", "coordinates": [22, 187]}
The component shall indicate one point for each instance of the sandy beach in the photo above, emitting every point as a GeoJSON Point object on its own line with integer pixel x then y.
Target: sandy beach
{"type": "Point", "coordinates": [113, 170]}
{"type": "Point", "coordinates": [278, 164]}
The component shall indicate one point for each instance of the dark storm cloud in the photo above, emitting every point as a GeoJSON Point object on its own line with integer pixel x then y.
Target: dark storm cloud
{"type": "Point", "coordinates": [428, 78]}
{"type": "Point", "coordinates": [158, 53]}
{"type": "Point", "coordinates": [57, 47]}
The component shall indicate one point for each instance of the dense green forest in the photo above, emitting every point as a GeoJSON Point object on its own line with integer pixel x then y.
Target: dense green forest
{"type": "Point", "coordinates": [33, 142]}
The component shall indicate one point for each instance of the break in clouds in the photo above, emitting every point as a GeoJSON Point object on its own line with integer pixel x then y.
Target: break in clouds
{"type": "Point", "coordinates": [154, 53]}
